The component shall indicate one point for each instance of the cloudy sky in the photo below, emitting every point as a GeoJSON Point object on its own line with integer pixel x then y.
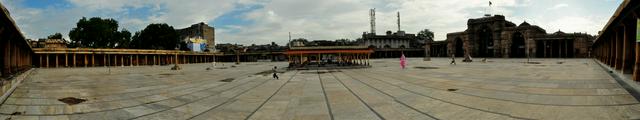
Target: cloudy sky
{"type": "Point", "coordinates": [265, 21]}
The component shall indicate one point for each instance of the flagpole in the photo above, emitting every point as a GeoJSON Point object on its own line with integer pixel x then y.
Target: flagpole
{"type": "Point", "coordinates": [488, 10]}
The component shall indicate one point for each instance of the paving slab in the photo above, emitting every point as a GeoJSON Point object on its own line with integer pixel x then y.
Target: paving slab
{"type": "Point", "coordinates": [500, 89]}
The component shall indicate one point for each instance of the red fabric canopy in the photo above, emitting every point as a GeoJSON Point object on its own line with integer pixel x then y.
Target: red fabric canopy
{"type": "Point", "coordinates": [290, 52]}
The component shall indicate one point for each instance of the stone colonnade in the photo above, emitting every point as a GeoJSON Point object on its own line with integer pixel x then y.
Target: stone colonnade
{"type": "Point", "coordinates": [48, 58]}
{"type": "Point", "coordinates": [15, 53]}
{"type": "Point", "coordinates": [617, 46]}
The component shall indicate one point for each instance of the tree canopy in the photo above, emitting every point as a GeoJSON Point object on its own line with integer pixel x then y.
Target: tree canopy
{"type": "Point", "coordinates": [156, 36]}
{"type": "Point", "coordinates": [425, 34]}
{"type": "Point", "coordinates": [98, 33]}
{"type": "Point", "coordinates": [55, 36]}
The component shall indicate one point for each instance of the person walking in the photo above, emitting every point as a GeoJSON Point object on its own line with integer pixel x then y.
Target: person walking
{"type": "Point", "coordinates": [275, 75]}
{"type": "Point", "coordinates": [453, 59]}
{"type": "Point", "coordinates": [403, 61]}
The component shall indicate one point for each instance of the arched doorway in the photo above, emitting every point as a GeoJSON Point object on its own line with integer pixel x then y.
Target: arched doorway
{"type": "Point", "coordinates": [459, 48]}
{"type": "Point", "coordinates": [517, 46]}
{"type": "Point", "coordinates": [484, 41]}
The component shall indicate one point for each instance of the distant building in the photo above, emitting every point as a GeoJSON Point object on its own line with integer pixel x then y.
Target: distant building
{"type": "Point", "coordinates": [397, 40]}
{"type": "Point", "coordinates": [200, 36]}
{"type": "Point", "coordinates": [438, 48]}
{"type": "Point", "coordinates": [339, 42]}
{"type": "Point", "coordinates": [297, 43]}
{"type": "Point", "coordinates": [48, 43]}
{"type": "Point", "coordinates": [393, 45]}
{"type": "Point", "coordinates": [493, 36]}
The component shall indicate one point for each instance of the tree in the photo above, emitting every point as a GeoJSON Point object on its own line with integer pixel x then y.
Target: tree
{"type": "Point", "coordinates": [423, 35]}
{"type": "Point", "coordinates": [98, 33]}
{"type": "Point", "coordinates": [156, 36]}
{"type": "Point", "coordinates": [55, 36]}
{"type": "Point", "coordinates": [125, 39]}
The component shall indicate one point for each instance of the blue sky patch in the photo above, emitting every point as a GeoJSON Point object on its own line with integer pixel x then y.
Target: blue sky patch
{"type": "Point", "coordinates": [235, 17]}
{"type": "Point", "coordinates": [46, 3]}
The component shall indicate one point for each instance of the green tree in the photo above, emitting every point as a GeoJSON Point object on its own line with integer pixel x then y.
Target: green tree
{"type": "Point", "coordinates": [55, 36]}
{"type": "Point", "coordinates": [156, 36]}
{"type": "Point", "coordinates": [97, 33]}
{"type": "Point", "coordinates": [125, 39]}
{"type": "Point", "coordinates": [423, 35]}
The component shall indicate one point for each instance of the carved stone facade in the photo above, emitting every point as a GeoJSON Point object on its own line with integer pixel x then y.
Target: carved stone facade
{"type": "Point", "coordinates": [493, 36]}
{"type": "Point", "coordinates": [398, 40]}
{"type": "Point", "coordinates": [48, 43]}
{"type": "Point", "coordinates": [200, 30]}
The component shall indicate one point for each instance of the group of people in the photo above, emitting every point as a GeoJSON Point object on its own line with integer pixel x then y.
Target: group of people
{"type": "Point", "coordinates": [453, 59]}
{"type": "Point", "coordinates": [402, 62]}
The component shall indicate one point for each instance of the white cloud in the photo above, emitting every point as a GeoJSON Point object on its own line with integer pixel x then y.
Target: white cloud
{"type": "Point", "coordinates": [558, 6]}
{"type": "Point", "coordinates": [39, 23]}
{"type": "Point", "coordinates": [349, 18]}
{"type": "Point", "coordinates": [312, 19]}
{"type": "Point", "coordinates": [576, 24]}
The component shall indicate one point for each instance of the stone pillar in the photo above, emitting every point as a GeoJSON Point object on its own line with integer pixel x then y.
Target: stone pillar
{"type": "Point", "coordinates": [130, 60]}
{"type": "Point", "coordinates": [636, 68]}
{"type": "Point", "coordinates": [566, 49]}
{"type": "Point", "coordinates": [13, 56]}
{"type": "Point", "coordinates": [66, 60]}
{"type": "Point", "coordinates": [8, 53]}
{"type": "Point", "coordinates": [427, 51]}
{"type": "Point", "coordinates": [74, 60]}
{"type": "Point", "coordinates": [47, 60]}
{"type": "Point", "coordinates": [608, 51]}
{"type": "Point", "coordinates": [557, 43]}
{"type": "Point", "coordinates": [154, 60]}
{"type": "Point", "coordinates": [18, 58]}
{"type": "Point", "coordinates": [627, 49]}
{"type": "Point", "coordinates": [85, 60]}
{"type": "Point", "coordinates": [544, 46]}
{"type": "Point", "coordinates": [104, 59]}
{"type": "Point", "coordinates": [612, 51]}
{"type": "Point", "coordinates": [619, 48]}
{"type": "Point", "coordinates": [122, 60]}
{"type": "Point", "coordinates": [368, 58]}
{"type": "Point", "coordinates": [146, 60]}
{"type": "Point", "coordinates": [93, 60]}
{"type": "Point", "coordinates": [39, 62]}
{"type": "Point", "coordinates": [56, 60]}
{"type": "Point", "coordinates": [114, 59]}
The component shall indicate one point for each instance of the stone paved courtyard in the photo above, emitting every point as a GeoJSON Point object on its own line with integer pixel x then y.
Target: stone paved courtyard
{"type": "Point", "coordinates": [496, 90]}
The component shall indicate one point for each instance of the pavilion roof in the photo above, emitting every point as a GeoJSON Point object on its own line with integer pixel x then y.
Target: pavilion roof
{"type": "Point", "coordinates": [115, 51]}
{"type": "Point", "coordinates": [329, 50]}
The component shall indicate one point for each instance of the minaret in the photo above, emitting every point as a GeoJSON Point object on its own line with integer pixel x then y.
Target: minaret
{"type": "Point", "coordinates": [372, 16]}
{"type": "Point", "coordinates": [398, 20]}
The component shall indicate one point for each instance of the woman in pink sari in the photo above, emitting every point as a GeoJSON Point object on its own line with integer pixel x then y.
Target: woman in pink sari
{"type": "Point", "coordinates": [403, 61]}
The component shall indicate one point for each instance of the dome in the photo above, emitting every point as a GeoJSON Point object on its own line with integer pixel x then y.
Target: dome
{"type": "Point", "coordinates": [559, 32]}
{"type": "Point", "coordinates": [524, 24]}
